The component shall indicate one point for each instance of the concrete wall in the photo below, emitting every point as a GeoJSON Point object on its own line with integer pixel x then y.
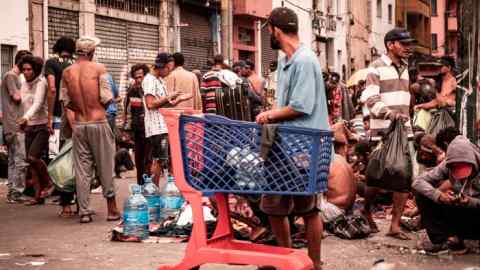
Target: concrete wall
{"type": "Point", "coordinates": [438, 27]}
{"type": "Point", "coordinates": [14, 29]}
{"type": "Point", "coordinates": [380, 26]}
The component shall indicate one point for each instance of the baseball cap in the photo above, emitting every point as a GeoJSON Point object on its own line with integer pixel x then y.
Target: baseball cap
{"type": "Point", "coordinates": [86, 44]}
{"type": "Point", "coordinates": [282, 18]}
{"type": "Point", "coordinates": [461, 170]}
{"type": "Point", "coordinates": [162, 59]}
{"type": "Point", "coordinates": [399, 34]}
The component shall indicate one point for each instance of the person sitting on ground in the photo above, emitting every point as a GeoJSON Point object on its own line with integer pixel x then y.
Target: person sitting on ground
{"type": "Point", "coordinates": [86, 91]}
{"type": "Point", "coordinates": [445, 137]}
{"type": "Point", "coordinates": [341, 192]}
{"type": "Point", "coordinates": [428, 153]}
{"type": "Point", "coordinates": [34, 122]}
{"type": "Point", "coordinates": [450, 216]}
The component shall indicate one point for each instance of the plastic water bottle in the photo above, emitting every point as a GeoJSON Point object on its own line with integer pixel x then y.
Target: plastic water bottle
{"type": "Point", "coordinates": [171, 199]}
{"type": "Point", "coordinates": [152, 195]}
{"type": "Point", "coordinates": [135, 214]}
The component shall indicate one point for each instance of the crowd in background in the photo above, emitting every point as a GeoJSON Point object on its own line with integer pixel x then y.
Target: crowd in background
{"type": "Point", "coordinates": [32, 100]}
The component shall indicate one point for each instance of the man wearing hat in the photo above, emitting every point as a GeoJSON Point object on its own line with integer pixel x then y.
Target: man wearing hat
{"type": "Point", "coordinates": [300, 102]}
{"type": "Point", "coordinates": [387, 96]}
{"type": "Point", "coordinates": [451, 215]}
{"type": "Point", "coordinates": [85, 90]}
{"type": "Point", "coordinates": [155, 97]}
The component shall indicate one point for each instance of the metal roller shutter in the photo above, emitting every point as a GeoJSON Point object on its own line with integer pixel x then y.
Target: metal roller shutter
{"type": "Point", "coordinates": [196, 37]}
{"type": "Point", "coordinates": [112, 51]}
{"type": "Point", "coordinates": [61, 23]}
{"type": "Point", "coordinates": [143, 43]}
{"type": "Point", "coordinates": [268, 55]}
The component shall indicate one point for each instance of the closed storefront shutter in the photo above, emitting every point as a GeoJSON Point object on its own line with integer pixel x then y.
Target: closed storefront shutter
{"type": "Point", "coordinates": [61, 23]}
{"type": "Point", "coordinates": [143, 43]}
{"type": "Point", "coordinates": [268, 55]}
{"type": "Point", "coordinates": [112, 51]}
{"type": "Point", "coordinates": [196, 38]}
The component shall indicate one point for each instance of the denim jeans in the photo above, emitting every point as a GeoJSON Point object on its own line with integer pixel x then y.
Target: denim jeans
{"type": "Point", "coordinates": [17, 165]}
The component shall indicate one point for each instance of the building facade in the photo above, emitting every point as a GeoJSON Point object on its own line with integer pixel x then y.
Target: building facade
{"type": "Point", "coordinates": [414, 15]}
{"type": "Point", "coordinates": [382, 20]}
{"type": "Point", "coordinates": [445, 33]}
{"type": "Point", "coordinates": [14, 32]}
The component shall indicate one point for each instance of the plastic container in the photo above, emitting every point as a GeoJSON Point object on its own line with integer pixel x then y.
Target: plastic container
{"type": "Point", "coordinates": [171, 199]}
{"type": "Point", "coordinates": [152, 195]}
{"type": "Point", "coordinates": [135, 214]}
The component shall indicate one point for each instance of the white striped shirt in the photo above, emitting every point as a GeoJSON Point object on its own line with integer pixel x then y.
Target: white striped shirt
{"type": "Point", "coordinates": [154, 122]}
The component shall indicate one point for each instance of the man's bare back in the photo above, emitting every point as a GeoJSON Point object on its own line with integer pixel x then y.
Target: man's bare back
{"type": "Point", "coordinates": [82, 81]}
{"type": "Point", "coordinates": [341, 183]}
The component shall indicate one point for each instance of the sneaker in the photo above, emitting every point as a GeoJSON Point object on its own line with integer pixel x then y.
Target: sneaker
{"type": "Point", "coordinates": [16, 198]}
{"type": "Point", "coordinates": [434, 249]}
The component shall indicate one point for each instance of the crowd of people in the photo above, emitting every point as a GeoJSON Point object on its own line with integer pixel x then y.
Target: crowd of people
{"type": "Point", "coordinates": [442, 194]}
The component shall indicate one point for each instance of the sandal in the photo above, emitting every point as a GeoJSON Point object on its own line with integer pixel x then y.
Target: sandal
{"type": "Point", "coordinates": [115, 217]}
{"type": "Point", "coordinates": [86, 219]}
{"type": "Point", "coordinates": [46, 192]}
{"type": "Point", "coordinates": [399, 235]}
{"type": "Point", "coordinates": [63, 214]}
{"type": "Point", "coordinates": [35, 202]}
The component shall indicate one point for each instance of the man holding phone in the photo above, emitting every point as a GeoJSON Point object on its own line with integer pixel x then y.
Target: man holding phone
{"type": "Point", "coordinates": [156, 97]}
{"type": "Point", "coordinates": [450, 209]}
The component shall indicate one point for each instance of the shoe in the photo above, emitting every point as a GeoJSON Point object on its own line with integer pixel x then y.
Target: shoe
{"type": "Point", "coordinates": [434, 249]}
{"type": "Point", "coordinates": [16, 198]}
{"type": "Point", "coordinates": [456, 246]}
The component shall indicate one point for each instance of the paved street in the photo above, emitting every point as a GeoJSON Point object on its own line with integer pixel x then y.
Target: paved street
{"type": "Point", "coordinates": [36, 234]}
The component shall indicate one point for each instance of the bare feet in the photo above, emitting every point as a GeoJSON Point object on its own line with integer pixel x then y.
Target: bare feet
{"type": "Point", "coordinates": [371, 222]}
{"type": "Point", "coordinates": [400, 235]}
{"type": "Point", "coordinates": [113, 213]}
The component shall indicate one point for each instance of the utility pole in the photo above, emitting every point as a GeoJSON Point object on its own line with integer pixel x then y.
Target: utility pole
{"type": "Point", "coordinates": [348, 39]}
{"type": "Point", "coordinates": [227, 29]}
{"type": "Point", "coordinates": [469, 11]}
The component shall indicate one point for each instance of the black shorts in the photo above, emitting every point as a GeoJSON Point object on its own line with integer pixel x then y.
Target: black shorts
{"type": "Point", "coordinates": [36, 140]}
{"type": "Point", "coordinates": [159, 144]}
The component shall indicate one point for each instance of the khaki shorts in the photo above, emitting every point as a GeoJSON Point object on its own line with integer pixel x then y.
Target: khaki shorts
{"type": "Point", "coordinates": [284, 205]}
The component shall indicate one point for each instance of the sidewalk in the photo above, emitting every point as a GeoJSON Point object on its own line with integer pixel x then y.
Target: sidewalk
{"type": "Point", "coordinates": [36, 234]}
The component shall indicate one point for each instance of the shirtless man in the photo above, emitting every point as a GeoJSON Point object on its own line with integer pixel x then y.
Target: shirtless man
{"type": "Point", "coordinates": [86, 92]}
{"type": "Point", "coordinates": [341, 190]}
{"type": "Point", "coordinates": [446, 97]}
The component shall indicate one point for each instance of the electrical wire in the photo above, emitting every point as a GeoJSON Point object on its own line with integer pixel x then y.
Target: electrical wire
{"type": "Point", "coordinates": [297, 6]}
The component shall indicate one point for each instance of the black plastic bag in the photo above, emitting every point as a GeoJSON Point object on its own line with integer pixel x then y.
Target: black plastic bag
{"type": "Point", "coordinates": [390, 166]}
{"type": "Point", "coordinates": [440, 120]}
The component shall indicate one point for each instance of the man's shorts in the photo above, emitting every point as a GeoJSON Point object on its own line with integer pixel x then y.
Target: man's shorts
{"type": "Point", "coordinates": [284, 205]}
{"type": "Point", "coordinates": [159, 144]}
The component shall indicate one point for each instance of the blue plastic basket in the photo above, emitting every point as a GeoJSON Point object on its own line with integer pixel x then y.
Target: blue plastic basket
{"type": "Point", "coordinates": [222, 155]}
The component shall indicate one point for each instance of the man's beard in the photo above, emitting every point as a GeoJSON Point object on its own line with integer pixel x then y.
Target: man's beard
{"type": "Point", "coordinates": [274, 43]}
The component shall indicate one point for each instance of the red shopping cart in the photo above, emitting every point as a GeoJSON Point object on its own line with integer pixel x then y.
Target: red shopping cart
{"type": "Point", "coordinates": [214, 156]}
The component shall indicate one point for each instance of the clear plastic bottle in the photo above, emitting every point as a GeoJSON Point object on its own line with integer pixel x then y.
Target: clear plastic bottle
{"type": "Point", "coordinates": [171, 199]}
{"type": "Point", "coordinates": [135, 214]}
{"type": "Point", "coordinates": [152, 194]}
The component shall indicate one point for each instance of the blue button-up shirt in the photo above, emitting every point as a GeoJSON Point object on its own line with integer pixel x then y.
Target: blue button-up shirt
{"type": "Point", "coordinates": [300, 86]}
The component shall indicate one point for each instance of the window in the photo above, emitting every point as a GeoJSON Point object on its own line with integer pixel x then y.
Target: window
{"type": "Point", "coordinates": [379, 8]}
{"type": "Point", "coordinates": [434, 8]}
{"type": "Point", "coordinates": [7, 58]}
{"type": "Point", "coordinates": [390, 14]}
{"type": "Point", "coordinates": [434, 42]}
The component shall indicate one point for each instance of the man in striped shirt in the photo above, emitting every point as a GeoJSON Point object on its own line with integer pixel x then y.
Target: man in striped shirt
{"type": "Point", "coordinates": [387, 97]}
